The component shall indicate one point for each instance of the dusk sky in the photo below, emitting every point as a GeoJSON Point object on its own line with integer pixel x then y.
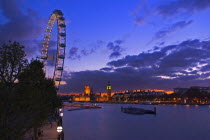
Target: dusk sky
{"type": "Point", "coordinates": [135, 44]}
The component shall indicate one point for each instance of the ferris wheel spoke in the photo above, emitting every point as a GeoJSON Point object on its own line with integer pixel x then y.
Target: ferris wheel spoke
{"type": "Point", "coordinates": [57, 16]}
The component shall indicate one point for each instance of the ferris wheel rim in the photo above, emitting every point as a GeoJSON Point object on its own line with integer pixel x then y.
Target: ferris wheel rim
{"type": "Point", "coordinates": [56, 16]}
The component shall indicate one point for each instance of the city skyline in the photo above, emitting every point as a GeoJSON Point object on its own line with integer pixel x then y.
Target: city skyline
{"type": "Point", "coordinates": [138, 44]}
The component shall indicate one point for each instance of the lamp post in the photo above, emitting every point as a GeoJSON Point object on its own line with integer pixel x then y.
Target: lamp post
{"type": "Point", "coordinates": [59, 124]}
{"type": "Point", "coordinates": [59, 130]}
{"type": "Point", "coordinates": [61, 114]}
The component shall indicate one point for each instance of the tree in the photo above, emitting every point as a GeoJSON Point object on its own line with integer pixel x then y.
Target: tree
{"type": "Point", "coordinates": [12, 62]}
{"type": "Point", "coordinates": [27, 105]}
{"type": "Point", "coordinates": [42, 100]}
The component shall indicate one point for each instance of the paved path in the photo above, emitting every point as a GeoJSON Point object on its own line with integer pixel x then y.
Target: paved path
{"type": "Point", "coordinates": [49, 132]}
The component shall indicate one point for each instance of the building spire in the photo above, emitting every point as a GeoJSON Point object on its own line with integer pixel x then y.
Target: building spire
{"type": "Point", "coordinates": [109, 90]}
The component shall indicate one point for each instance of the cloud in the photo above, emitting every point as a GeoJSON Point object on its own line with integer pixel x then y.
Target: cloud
{"type": "Point", "coordinates": [73, 53]}
{"type": "Point", "coordinates": [186, 51]}
{"type": "Point", "coordinates": [107, 69]}
{"type": "Point", "coordinates": [172, 28]}
{"type": "Point", "coordinates": [19, 26]}
{"type": "Point", "coordinates": [181, 65]}
{"type": "Point", "coordinates": [139, 21]}
{"type": "Point", "coordinates": [87, 52]}
{"type": "Point", "coordinates": [143, 59]}
{"type": "Point", "coordinates": [93, 47]}
{"type": "Point", "coordinates": [10, 9]}
{"type": "Point", "coordinates": [139, 6]}
{"type": "Point", "coordinates": [116, 48]}
{"type": "Point", "coordinates": [176, 7]}
{"type": "Point", "coordinates": [145, 12]}
{"type": "Point", "coordinates": [77, 52]}
{"type": "Point", "coordinates": [33, 47]}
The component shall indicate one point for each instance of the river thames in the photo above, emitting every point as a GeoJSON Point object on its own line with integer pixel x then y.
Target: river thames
{"type": "Point", "coordinates": [172, 122]}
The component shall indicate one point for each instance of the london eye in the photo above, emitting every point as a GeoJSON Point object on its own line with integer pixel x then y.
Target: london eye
{"type": "Point", "coordinates": [58, 19]}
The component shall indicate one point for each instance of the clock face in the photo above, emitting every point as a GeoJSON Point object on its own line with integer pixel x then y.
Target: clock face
{"type": "Point", "coordinates": [108, 87]}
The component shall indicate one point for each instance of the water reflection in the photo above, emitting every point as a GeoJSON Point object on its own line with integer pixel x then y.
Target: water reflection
{"type": "Point", "coordinates": [172, 122]}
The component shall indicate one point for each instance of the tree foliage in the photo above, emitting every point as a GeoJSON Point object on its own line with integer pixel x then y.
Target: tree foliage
{"type": "Point", "coordinates": [12, 61]}
{"type": "Point", "coordinates": [30, 102]}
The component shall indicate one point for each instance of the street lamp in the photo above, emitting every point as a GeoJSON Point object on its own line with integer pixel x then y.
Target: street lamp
{"type": "Point", "coordinates": [59, 129]}
{"type": "Point", "coordinates": [60, 109]}
{"type": "Point", "coordinates": [61, 114]}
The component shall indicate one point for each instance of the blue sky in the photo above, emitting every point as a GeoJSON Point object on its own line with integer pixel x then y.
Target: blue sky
{"type": "Point", "coordinates": [102, 33]}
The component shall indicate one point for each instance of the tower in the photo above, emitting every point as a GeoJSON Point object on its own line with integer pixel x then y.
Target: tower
{"type": "Point", "coordinates": [87, 90]}
{"type": "Point", "coordinates": [109, 90]}
{"type": "Point", "coordinates": [92, 96]}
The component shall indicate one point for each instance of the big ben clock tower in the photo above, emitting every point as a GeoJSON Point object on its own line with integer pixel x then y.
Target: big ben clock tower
{"type": "Point", "coordinates": [109, 90]}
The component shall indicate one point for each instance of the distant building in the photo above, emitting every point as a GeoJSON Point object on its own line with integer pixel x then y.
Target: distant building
{"type": "Point", "coordinates": [158, 93]}
{"type": "Point", "coordinates": [184, 90]}
{"type": "Point", "coordinates": [180, 90]}
{"type": "Point", "coordinates": [136, 93]}
{"type": "Point", "coordinates": [109, 90]}
{"type": "Point", "coordinates": [99, 98]}
{"type": "Point", "coordinates": [87, 90]}
{"type": "Point", "coordinates": [81, 98]}
{"type": "Point", "coordinates": [90, 96]}
{"type": "Point", "coordinates": [201, 89]}
{"type": "Point", "coordinates": [84, 98]}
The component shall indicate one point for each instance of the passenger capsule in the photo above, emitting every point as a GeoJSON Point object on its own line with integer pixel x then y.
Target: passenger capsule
{"type": "Point", "coordinates": [59, 68]}
{"type": "Point", "coordinates": [57, 79]}
{"type": "Point", "coordinates": [43, 57]}
{"type": "Point", "coordinates": [62, 25]}
{"type": "Point", "coordinates": [47, 36]}
{"type": "Point", "coordinates": [62, 34]}
{"type": "Point", "coordinates": [62, 45]}
{"type": "Point", "coordinates": [61, 56]}
{"type": "Point", "coordinates": [61, 18]}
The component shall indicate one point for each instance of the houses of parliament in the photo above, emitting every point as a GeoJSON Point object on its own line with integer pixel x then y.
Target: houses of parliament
{"type": "Point", "coordinates": [88, 94]}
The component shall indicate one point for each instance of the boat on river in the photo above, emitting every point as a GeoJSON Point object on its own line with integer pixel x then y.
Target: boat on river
{"type": "Point", "coordinates": [139, 111]}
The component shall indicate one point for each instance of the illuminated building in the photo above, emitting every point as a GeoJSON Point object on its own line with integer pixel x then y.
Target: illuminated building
{"type": "Point", "coordinates": [109, 90]}
{"type": "Point", "coordinates": [86, 97]}
{"type": "Point", "coordinates": [81, 98]}
{"type": "Point", "coordinates": [106, 96]}
{"type": "Point", "coordinates": [87, 90]}
{"type": "Point", "coordinates": [136, 95]}
{"type": "Point", "coordinates": [90, 96]}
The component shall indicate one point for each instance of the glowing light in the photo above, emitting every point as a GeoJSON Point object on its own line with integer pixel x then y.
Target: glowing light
{"type": "Point", "coordinates": [59, 129]}
{"type": "Point", "coordinates": [47, 37]}
{"type": "Point", "coordinates": [187, 105]}
{"type": "Point", "coordinates": [169, 92]}
{"type": "Point", "coordinates": [108, 87]}
{"type": "Point", "coordinates": [63, 83]}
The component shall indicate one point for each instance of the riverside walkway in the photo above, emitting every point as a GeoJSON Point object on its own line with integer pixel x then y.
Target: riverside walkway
{"type": "Point", "coordinates": [49, 132]}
